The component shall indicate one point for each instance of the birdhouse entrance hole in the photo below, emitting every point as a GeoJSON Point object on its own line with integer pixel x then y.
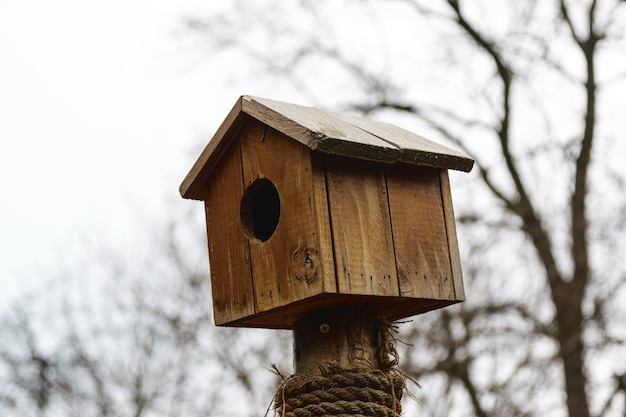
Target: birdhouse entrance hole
{"type": "Point", "coordinates": [260, 209]}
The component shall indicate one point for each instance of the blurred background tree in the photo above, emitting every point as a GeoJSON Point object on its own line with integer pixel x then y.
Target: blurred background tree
{"type": "Point", "coordinates": [140, 344]}
{"type": "Point", "coordinates": [533, 91]}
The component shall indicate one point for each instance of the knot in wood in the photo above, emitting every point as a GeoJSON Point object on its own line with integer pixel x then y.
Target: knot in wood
{"type": "Point", "coordinates": [303, 260]}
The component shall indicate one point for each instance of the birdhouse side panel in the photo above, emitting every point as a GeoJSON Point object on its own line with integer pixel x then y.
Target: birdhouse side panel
{"type": "Point", "coordinates": [292, 264]}
{"type": "Point", "coordinates": [229, 257]}
{"type": "Point", "coordinates": [453, 245]}
{"type": "Point", "coordinates": [361, 227]}
{"type": "Point", "coordinates": [419, 232]}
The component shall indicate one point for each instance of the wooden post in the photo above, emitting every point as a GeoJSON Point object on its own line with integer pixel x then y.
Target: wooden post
{"type": "Point", "coordinates": [342, 360]}
{"type": "Point", "coordinates": [347, 336]}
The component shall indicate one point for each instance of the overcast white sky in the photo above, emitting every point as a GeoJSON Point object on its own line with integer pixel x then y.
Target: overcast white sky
{"type": "Point", "coordinates": [102, 108]}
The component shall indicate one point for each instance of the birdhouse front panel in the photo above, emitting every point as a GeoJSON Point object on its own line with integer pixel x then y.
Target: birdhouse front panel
{"type": "Point", "coordinates": [306, 210]}
{"type": "Point", "coordinates": [295, 261]}
{"type": "Point", "coordinates": [268, 228]}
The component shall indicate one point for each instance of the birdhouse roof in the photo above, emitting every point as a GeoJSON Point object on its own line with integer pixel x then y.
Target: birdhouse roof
{"type": "Point", "coordinates": [325, 132]}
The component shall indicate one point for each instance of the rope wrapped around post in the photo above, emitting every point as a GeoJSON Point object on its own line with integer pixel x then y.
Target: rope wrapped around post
{"type": "Point", "coordinates": [341, 392]}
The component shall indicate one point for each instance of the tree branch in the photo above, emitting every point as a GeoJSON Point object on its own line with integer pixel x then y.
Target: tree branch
{"type": "Point", "coordinates": [523, 207]}
{"type": "Point", "coordinates": [460, 368]}
{"type": "Point", "coordinates": [580, 254]}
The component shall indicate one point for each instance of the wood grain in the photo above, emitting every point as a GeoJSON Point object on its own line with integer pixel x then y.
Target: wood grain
{"type": "Point", "coordinates": [419, 232]}
{"type": "Point", "coordinates": [416, 149]}
{"type": "Point", "coordinates": [453, 245]}
{"type": "Point", "coordinates": [347, 336]}
{"type": "Point", "coordinates": [231, 278]}
{"type": "Point", "coordinates": [322, 219]}
{"type": "Point", "coordinates": [290, 265]}
{"type": "Point", "coordinates": [366, 215]}
{"type": "Point", "coordinates": [325, 132]}
{"type": "Point", "coordinates": [361, 227]}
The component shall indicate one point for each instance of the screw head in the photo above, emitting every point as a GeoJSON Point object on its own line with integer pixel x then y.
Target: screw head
{"type": "Point", "coordinates": [324, 328]}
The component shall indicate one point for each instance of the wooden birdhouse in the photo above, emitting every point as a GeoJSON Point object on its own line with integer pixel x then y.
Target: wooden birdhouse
{"type": "Point", "coordinates": [307, 209]}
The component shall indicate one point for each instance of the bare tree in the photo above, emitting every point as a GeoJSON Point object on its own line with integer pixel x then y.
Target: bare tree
{"type": "Point", "coordinates": [530, 90]}
{"type": "Point", "coordinates": [137, 342]}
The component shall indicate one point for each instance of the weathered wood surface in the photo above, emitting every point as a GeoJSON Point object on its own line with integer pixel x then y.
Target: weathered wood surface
{"type": "Point", "coordinates": [320, 130]}
{"type": "Point", "coordinates": [348, 230]}
{"type": "Point", "coordinates": [346, 336]}
{"type": "Point", "coordinates": [453, 245]}
{"type": "Point", "coordinates": [325, 132]}
{"type": "Point", "coordinates": [415, 149]}
{"type": "Point", "coordinates": [319, 204]}
{"type": "Point", "coordinates": [419, 232]}
{"type": "Point", "coordinates": [353, 137]}
{"type": "Point", "coordinates": [361, 227]}
{"type": "Point", "coordinates": [352, 231]}
{"type": "Point", "coordinates": [290, 265]}
{"type": "Point", "coordinates": [231, 278]}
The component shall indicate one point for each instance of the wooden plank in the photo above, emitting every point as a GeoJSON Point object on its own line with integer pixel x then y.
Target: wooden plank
{"type": "Point", "coordinates": [352, 136]}
{"type": "Point", "coordinates": [419, 232]}
{"type": "Point", "coordinates": [361, 228]}
{"type": "Point", "coordinates": [231, 277]}
{"type": "Point", "coordinates": [391, 308]}
{"type": "Point", "coordinates": [320, 130]}
{"type": "Point", "coordinates": [455, 257]}
{"type": "Point", "coordinates": [416, 149]}
{"type": "Point", "coordinates": [288, 266]}
{"type": "Point", "coordinates": [322, 227]}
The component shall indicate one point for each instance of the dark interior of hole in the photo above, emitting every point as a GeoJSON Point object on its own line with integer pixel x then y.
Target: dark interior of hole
{"type": "Point", "coordinates": [265, 210]}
